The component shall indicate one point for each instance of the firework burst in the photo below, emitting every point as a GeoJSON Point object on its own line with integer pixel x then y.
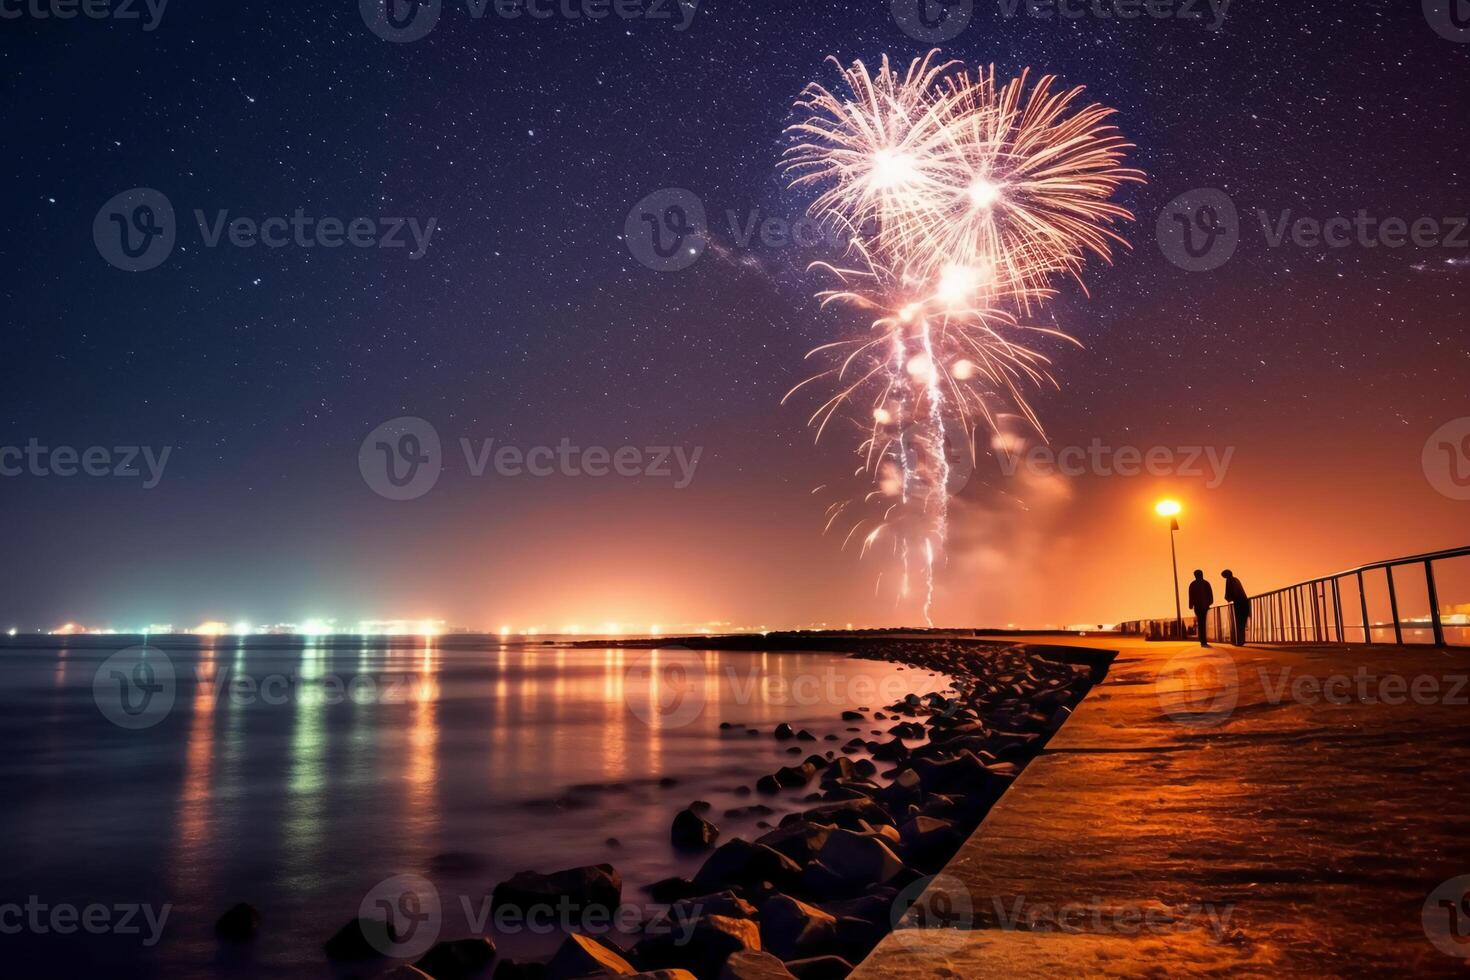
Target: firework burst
{"type": "Point", "coordinates": [964, 200]}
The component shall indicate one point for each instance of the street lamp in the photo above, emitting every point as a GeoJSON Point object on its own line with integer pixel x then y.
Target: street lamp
{"type": "Point", "coordinates": [1171, 509]}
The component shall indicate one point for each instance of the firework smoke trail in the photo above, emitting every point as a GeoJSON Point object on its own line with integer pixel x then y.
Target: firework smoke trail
{"type": "Point", "coordinates": [963, 200]}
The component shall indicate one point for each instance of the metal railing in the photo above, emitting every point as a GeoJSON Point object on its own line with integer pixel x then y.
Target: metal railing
{"type": "Point", "coordinates": [1323, 610]}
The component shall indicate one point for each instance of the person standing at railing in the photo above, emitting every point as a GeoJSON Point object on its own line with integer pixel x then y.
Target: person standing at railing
{"type": "Point", "coordinates": [1201, 598]}
{"type": "Point", "coordinates": [1240, 602]}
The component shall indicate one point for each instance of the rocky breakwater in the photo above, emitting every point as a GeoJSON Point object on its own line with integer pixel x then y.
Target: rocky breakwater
{"type": "Point", "coordinates": [811, 897]}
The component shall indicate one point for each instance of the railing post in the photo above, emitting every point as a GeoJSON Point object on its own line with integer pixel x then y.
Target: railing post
{"type": "Point", "coordinates": [1393, 605]}
{"type": "Point", "coordinates": [1433, 603]}
{"type": "Point", "coordinates": [1363, 598]}
{"type": "Point", "coordinates": [1337, 609]}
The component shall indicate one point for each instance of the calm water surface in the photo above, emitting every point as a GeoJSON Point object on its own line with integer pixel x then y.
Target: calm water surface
{"type": "Point", "coordinates": [299, 775]}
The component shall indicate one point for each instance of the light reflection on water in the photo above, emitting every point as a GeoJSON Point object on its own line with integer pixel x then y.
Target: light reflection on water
{"type": "Point", "coordinates": [297, 777]}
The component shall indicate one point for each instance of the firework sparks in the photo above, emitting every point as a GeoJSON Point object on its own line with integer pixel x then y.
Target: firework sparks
{"type": "Point", "coordinates": [963, 201]}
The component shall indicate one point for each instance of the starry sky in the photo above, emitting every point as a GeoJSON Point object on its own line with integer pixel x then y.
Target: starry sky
{"type": "Point", "coordinates": [528, 320]}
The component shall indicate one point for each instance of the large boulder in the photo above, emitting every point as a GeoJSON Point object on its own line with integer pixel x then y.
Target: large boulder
{"type": "Point", "coordinates": [238, 924]}
{"type": "Point", "coordinates": [741, 863]}
{"type": "Point", "coordinates": [820, 968]}
{"type": "Point", "coordinates": [457, 959]}
{"type": "Point", "coordinates": [719, 903]}
{"type": "Point", "coordinates": [691, 832]}
{"type": "Point", "coordinates": [362, 939]}
{"type": "Point", "coordinates": [793, 930]}
{"type": "Point", "coordinates": [800, 841]}
{"type": "Point", "coordinates": [754, 966]}
{"type": "Point", "coordinates": [929, 840]}
{"type": "Point", "coordinates": [584, 956]}
{"type": "Point", "coordinates": [595, 886]}
{"type": "Point", "coordinates": [702, 950]}
{"type": "Point", "coordinates": [856, 858]}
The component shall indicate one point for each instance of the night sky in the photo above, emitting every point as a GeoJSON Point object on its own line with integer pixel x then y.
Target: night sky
{"type": "Point", "coordinates": [528, 321]}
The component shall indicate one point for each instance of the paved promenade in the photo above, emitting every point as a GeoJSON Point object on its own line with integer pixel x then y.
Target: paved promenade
{"type": "Point", "coordinates": [1211, 813]}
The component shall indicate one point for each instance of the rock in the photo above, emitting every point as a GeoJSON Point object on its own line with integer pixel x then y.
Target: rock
{"type": "Point", "coordinates": [904, 789]}
{"type": "Point", "coordinates": [741, 863]}
{"type": "Point", "coordinates": [820, 968]}
{"type": "Point", "coordinates": [822, 883]}
{"type": "Point", "coordinates": [511, 970]}
{"type": "Point", "coordinates": [792, 929]}
{"type": "Point", "coordinates": [581, 956]}
{"type": "Point", "coordinates": [691, 832]}
{"type": "Point", "coordinates": [768, 785]}
{"type": "Point", "coordinates": [404, 972]}
{"type": "Point", "coordinates": [594, 886]}
{"type": "Point", "coordinates": [670, 889]}
{"type": "Point", "coordinates": [457, 959]}
{"type": "Point", "coordinates": [708, 945]}
{"type": "Point", "coordinates": [927, 840]}
{"type": "Point", "coordinates": [668, 782]}
{"type": "Point", "coordinates": [865, 767]}
{"type": "Point", "coordinates": [754, 966]}
{"type": "Point", "coordinates": [853, 716]}
{"type": "Point", "coordinates": [848, 813]}
{"type": "Point", "coordinates": [794, 776]}
{"type": "Point", "coordinates": [839, 769]}
{"type": "Point", "coordinates": [725, 903]}
{"type": "Point", "coordinates": [805, 736]}
{"type": "Point", "coordinates": [856, 858]}
{"type": "Point", "coordinates": [238, 924]}
{"type": "Point", "coordinates": [664, 975]}
{"type": "Point", "coordinates": [613, 842]}
{"type": "Point", "coordinates": [784, 731]}
{"type": "Point", "coordinates": [800, 840]}
{"type": "Point", "coordinates": [362, 939]}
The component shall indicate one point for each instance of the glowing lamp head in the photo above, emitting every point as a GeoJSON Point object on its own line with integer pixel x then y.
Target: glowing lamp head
{"type": "Point", "coordinates": [984, 194]}
{"type": "Point", "coordinates": [890, 169]}
{"type": "Point", "coordinates": [1168, 508]}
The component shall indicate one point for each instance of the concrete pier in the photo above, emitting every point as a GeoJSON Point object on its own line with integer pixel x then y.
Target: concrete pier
{"type": "Point", "coordinates": [1257, 811]}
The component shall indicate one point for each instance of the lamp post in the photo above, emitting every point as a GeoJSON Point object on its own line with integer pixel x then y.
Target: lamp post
{"type": "Point", "coordinates": [1171, 509]}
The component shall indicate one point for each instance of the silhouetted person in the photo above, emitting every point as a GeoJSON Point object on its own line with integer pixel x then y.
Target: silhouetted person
{"type": "Point", "coordinates": [1235, 595]}
{"type": "Point", "coordinates": [1201, 598]}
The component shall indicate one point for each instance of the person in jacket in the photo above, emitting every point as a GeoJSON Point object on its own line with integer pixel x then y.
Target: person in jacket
{"type": "Point", "coordinates": [1235, 594]}
{"type": "Point", "coordinates": [1201, 598]}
